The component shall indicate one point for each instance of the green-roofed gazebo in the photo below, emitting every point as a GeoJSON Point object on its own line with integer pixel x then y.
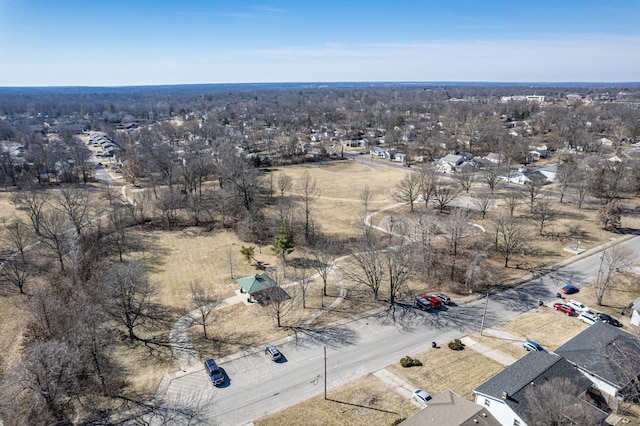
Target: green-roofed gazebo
{"type": "Point", "coordinates": [255, 283]}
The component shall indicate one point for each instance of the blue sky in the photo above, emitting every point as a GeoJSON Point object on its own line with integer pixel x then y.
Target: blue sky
{"type": "Point", "coordinates": [135, 42]}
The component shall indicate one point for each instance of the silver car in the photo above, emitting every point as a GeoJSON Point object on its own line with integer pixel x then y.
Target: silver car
{"type": "Point", "coordinates": [421, 397]}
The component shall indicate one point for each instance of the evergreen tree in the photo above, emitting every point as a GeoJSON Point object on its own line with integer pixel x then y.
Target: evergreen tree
{"type": "Point", "coordinates": [284, 243]}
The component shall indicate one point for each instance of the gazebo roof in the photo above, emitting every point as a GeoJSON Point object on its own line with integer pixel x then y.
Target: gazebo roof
{"type": "Point", "coordinates": [256, 283]}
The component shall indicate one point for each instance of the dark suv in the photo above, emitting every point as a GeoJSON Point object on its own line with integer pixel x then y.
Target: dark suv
{"type": "Point", "coordinates": [214, 372]}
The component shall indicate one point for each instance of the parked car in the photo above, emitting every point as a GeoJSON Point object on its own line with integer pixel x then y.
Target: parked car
{"type": "Point", "coordinates": [588, 318]}
{"type": "Point", "coordinates": [564, 308]}
{"type": "Point", "coordinates": [579, 307]}
{"type": "Point", "coordinates": [569, 289]}
{"type": "Point", "coordinates": [428, 303]}
{"type": "Point", "coordinates": [421, 397]}
{"type": "Point", "coordinates": [436, 303]}
{"type": "Point", "coordinates": [532, 346]}
{"type": "Point", "coordinates": [608, 319]}
{"type": "Point", "coordinates": [443, 298]}
{"type": "Point", "coordinates": [214, 372]}
{"type": "Point", "coordinates": [273, 352]}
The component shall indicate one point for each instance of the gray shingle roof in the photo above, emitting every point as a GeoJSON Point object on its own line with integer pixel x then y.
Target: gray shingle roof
{"type": "Point", "coordinates": [535, 368]}
{"type": "Point", "coordinates": [518, 375]}
{"type": "Point", "coordinates": [606, 352]}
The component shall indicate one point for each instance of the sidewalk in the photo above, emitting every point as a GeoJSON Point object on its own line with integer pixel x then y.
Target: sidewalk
{"type": "Point", "coordinates": [494, 354]}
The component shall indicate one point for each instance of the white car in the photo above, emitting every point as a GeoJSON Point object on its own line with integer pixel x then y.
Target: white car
{"type": "Point", "coordinates": [588, 318]}
{"type": "Point", "coordinates": [421, 397]}
{"type": "Point", "coordinates": [578, 307]}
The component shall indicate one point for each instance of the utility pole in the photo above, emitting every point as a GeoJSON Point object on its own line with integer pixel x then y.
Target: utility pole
{"type": "Point", "coordinates": [325, 372]}
{"type": "Point", "coordinates": [484, 314]}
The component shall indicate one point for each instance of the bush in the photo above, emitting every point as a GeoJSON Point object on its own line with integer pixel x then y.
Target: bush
{"type": "Point", "coordinates": [407, 362]}
{"type": "Point", "coordinates": [456, 345]}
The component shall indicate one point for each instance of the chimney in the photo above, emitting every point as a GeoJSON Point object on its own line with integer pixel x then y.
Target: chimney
{"type": "Point", "coordinates": [505, 394]}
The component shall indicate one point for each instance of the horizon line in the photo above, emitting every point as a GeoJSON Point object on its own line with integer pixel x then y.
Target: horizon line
{"type": "Point", "coordinates": [373, 82]}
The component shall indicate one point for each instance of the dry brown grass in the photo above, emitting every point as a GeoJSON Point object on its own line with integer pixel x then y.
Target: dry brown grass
{"type": "Point", "coordinates": [11, 316]}
{"type": "Point", "coordinates": [442, 369]}
{"type": "Point", "coordinates": [366, 401]}
{"type": "Point", "coordinates": [546, 326]}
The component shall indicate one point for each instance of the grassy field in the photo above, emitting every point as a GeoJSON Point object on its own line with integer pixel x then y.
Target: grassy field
{"type": "Point", "coordinates": [442, 369]}
{"type": "Point", "coordinates": [366, 401]}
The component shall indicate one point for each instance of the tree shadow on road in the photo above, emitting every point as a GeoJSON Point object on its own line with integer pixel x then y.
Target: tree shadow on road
{"type": "Point", "coordinates": [331, 336]}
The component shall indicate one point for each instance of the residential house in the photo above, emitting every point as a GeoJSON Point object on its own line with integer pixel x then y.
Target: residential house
{"type": "Point", "coordinates": [505, 395]}
{"type": "Point", "coordinates": [448, 409]}
{"type": "Point", "coordinates": [549, 172]}
{"type": "Point", "coordinates": [493, 157]}
{"type": "Point", "coordinates": [380, 152]}
{"type": "Point", "coordinates": [449, 162]}
{"type": "Point", "coordinates": [399, 157]}
{"type": "Point", "coordinates": [609, 357]}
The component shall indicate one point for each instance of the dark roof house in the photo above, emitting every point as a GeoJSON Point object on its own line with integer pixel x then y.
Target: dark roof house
{"type": "Point", "coordinates": [504, 395]}
{"type": "Point", "coordinates": [607, 356]}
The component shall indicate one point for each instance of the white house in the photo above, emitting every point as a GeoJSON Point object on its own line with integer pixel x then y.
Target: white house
{"type": "Point", "coordinates": [505, 394]}
{"type": "Point", "coordinates": [399, 157]}
{"type": "Point", "coordinates": [380, 152]}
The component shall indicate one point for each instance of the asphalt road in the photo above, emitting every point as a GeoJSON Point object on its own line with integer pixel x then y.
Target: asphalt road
{"type": "Point", "coordinates": [258, 386]}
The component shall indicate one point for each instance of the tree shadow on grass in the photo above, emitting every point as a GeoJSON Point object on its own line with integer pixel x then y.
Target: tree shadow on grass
{"type": "Point", "coordinates": [361, 406]}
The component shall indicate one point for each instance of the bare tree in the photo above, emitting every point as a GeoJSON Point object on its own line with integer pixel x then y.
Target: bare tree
{"type": "Point", "coordinates": [18, 236]}
{"type": "Point", "coordinates": [54, 233]}
{"type": "Point", "coordinates": [279, 303]}
{"type": "Point", "coordinates": [408, 189]}
{"type": "Point", "coordinates": [130, 296]}
{"type": "Point", "coordinates": [43, 388]}
{"type": "Point", "coordinates": [444, 194]}
{"type": "Point", "coordinates": [533, 188]}
{"type": "Point", "coordinates": [511, 238]}
{"type": "Point", "coordinates": [465, 179]}
{"type": "Point", "coordinates": [580, 186]}
{"type": "Point", "coordinates": [557, 402]}
{"type": "Point", "coordinates": [365, 197]}
{"type": "Point", "coordinates": [283, 183]}
{"type": "Point", "coordinates": [491, 176]}
{"type": "Point", "coordinates": [322, 256]}
{"type": "Point", "coordinates": [309, 193]}
{"type": "Point", "coordinates": [428, 183]}
{"type": "Point", "coordinates": [479, 274]}
{"type": "Point", "coordinates": [483, 202]}
{"type": "Point", "coordinates": [398, 263]}
{"type": "Point", "coordinates": [16, 271]}
{"type": "Point", "coordinates": [612, 261]}
{"type": "Point", "coordinates": [76, 204]}
{"type": "Point", "coordinates": [454, 229]}
{"type": "Point", "coordinates": [512, 199]}
{"type": "Point", "coordinates": [230, 254]}
{"type": "Point", "coordinates": [203, 303]}
{"type": "Point", "coordinates": [368, 268]}
{"type": "Point", "coordinates": [544, 213]}
{"type": "Point", "coordinates": [565, 177]}
{"type": "Point", "coordinates": [33, 202]}
{"type": "Point", "coordinates": [426, 230]}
